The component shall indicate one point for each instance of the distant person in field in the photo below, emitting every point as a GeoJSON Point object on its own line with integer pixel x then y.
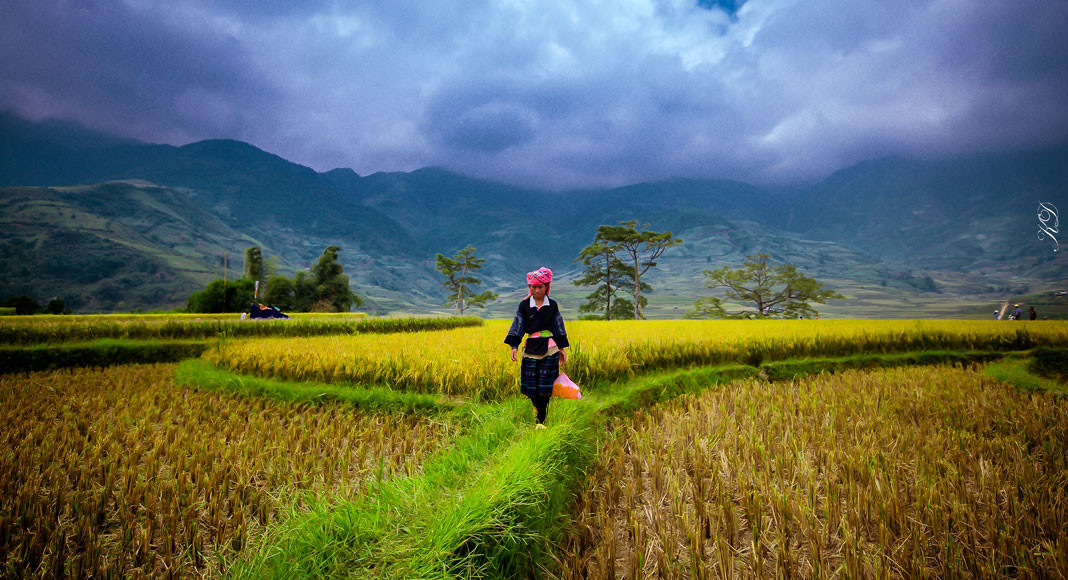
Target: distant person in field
{"type": "Point", "coordinates": [1018, 313]}
{"type": "Point", "coordinates": [995, 315]}
{"type": "Point", "coordinates": [1032, 314]}
{"type": "Point", "coordinates": [538, 317]}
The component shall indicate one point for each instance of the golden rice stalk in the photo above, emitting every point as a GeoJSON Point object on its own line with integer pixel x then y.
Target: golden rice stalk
{"type": "Point", "coordinates": [474, 362]}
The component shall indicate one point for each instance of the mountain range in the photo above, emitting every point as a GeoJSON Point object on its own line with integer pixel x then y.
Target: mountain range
{"type": "Point", "coordinates": [111, 224]}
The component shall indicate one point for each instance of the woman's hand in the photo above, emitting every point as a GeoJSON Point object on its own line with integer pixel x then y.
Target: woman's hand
{"type": "Point", "coordinates": [563, 356]}
{"type": "Point", "coordinates": [514, 350]}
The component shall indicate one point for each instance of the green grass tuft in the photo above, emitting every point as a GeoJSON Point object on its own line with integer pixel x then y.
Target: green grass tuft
{"type": "Point", "coordinates": [1017, 372]}
{"type": "Point", "coordinates": [796, 368]}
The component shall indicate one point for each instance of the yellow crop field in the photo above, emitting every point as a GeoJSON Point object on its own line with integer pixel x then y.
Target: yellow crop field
{"type": "Point", "coordinates": [474, 362]}
{"type": "Point", "coordinates": [896, 473]}
{"type": "Point", "coordinates": [165, 316]}
{"type": "Point", "coordinates": [33, 330]}
{"type": "Point", "coordinates": [120, 473]}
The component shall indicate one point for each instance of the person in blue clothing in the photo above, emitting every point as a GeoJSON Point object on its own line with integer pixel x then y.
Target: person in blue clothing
{"type": "Point", "coordinates": [538, 318]}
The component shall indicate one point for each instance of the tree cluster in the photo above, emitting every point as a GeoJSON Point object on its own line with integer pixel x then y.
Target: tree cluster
{"type": "Point", "coordinates": [610, 274]}
{"type": "Point", "coordinates": [325, 288]}
{"type": "Point", "coordinates": [774, 290]}
{"type": "Point", "coordinates": [25, 305]}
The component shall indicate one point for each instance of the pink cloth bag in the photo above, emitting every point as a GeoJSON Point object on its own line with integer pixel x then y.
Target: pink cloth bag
{"type": "Point", "coordinates": [565, 388]}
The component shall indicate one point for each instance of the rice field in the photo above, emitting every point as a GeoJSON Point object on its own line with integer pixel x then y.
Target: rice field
{"type": "Point", "coordinates": [474, 362]}
{"type": "Point", "coordinates": [44, 329]}
{"type": "Point", "coordinates": [118, 472]}
{"type": "Point", "coordinates": [896, 473]}
{"type": "Point", "coordinates": [907, 472]}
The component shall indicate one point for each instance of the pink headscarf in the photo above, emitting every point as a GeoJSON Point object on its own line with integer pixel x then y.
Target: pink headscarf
{"type": "Point", "coordinates": [542, 275]}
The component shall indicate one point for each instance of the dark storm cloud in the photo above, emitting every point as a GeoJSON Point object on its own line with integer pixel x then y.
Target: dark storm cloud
{"type": "Point", "coordinates": [262, 9]}
{"type": "Point", "coordinates": [555, 93]}
{"type": "Point", "coordinates": [488, 127]}
{"type": "Point", "coordinates": [119, 68]}
{"type": "Point", "coordinates": [912, 79]}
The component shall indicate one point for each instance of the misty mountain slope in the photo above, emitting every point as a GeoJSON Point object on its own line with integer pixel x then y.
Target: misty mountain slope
{"type": "Point", "coordinates": [511, 227]}
{"type": "Point", "coordinates": [890, 230]}
{"type": "Point", "coordinates": [972, 213]}
{"type": "Point", "coordinates": [247, 187]}
{"type": "Point", "coordinates": [122, 242]}
{"type": "Point", "coordinates": [722, 198]}
{"type": "Point", "coordinates": [50, 152]}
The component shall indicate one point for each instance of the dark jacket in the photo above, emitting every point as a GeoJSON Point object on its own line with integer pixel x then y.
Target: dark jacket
{"type": "Point", "coordinates": [528, 320]}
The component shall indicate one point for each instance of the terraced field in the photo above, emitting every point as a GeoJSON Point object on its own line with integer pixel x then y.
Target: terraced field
{"type": "Point", "coordinates": [700, 449]}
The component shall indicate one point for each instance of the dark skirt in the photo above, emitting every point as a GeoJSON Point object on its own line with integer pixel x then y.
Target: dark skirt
{"type": "Point", "coordinates": [537, 375]}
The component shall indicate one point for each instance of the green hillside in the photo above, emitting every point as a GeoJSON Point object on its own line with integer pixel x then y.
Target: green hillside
{"type": "Point", "coordinates": [118, 245]}
{"type": "Point", "coordinates": [127, 225]}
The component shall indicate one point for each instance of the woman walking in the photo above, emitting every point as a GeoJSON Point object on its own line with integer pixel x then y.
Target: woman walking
{"type": "Point", "coordinates": [538, 317]}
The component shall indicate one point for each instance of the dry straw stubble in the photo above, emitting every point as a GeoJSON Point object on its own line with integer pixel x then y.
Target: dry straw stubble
{"type": "Point", "coordinates": [119, 472]}
{"type": "Point", "coordinates": [900, 473]}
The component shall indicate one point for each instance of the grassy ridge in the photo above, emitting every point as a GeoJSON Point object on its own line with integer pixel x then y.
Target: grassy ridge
{"type": "Point", "coordinates": [794, 368]}
{"type": "Point", "coordinates": [487, 507]}
{"type": "Point", "coordinates": [202, 375]}
{"type": "Point", "coordinates": [1017, 371]}
{"type": "Point", "coordinates": [337, 540]}
{"type": "Point", "coordinates": [1051, 363]}
{"type": "Point", "coordinates": [42, 330]}
{"type": "Point", "coordinates": [99, 353]}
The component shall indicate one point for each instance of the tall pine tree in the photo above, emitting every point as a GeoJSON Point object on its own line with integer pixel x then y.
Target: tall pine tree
{"type": "Point", "coordinates": [332, 290]}
{"type": "Point", "coordinates": [641, 248]}
{"type": "Point", "coordinates": [460, 282]}
{"type": "Point", "coordinates": [610, 277]}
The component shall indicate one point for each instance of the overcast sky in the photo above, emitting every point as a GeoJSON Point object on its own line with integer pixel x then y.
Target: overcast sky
{"type": "Point", "coordinates": [555, 93]}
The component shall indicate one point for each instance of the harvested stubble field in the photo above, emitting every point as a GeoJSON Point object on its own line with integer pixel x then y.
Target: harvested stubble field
{"type": "Point", "coordinates": [473, 362]}
{"type": "Point", "coordinates": [897, 473]}
{"type": "Point", "coordinates": [118, 472]}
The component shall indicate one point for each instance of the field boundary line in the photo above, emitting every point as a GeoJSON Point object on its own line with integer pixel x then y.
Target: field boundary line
{"type": "Point", "coordinates": [98, 353]}
{"type": "Point", "coordinates": [198, 373]}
